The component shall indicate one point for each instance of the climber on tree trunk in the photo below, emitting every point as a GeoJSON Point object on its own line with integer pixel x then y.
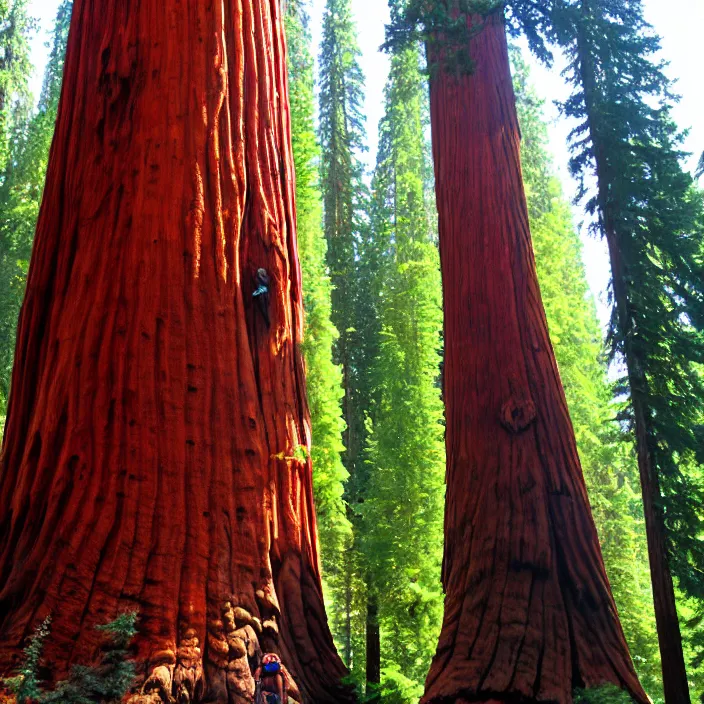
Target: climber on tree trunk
{"type": "Point", "coordinates": [261, 294]}
{"type": "Point", "coordinates": [271, 681]}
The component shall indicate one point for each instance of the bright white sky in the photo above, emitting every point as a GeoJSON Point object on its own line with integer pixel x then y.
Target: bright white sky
{"type": "Point", "coordinates": [678, 22]}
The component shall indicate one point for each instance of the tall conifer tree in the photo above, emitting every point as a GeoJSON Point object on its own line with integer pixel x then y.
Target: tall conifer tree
{"type": "Point", "coordinates": [324, 378]}
{"type": "Point", "coordinates": [403, 510]}
{"type": "Point", "coordinates": [351, 264]}
{"type": "Point", "coordinates": [342, 140]}
{"type": "Point", "coordinates": [653, 222]}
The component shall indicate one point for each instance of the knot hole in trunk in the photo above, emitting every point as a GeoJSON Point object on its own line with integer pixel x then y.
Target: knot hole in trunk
{"type": "Point", "coordinates": [518, 414]}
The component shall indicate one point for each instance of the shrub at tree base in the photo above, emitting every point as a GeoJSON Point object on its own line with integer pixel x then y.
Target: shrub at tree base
{"type": "Point", "coordinates": [107, 682]}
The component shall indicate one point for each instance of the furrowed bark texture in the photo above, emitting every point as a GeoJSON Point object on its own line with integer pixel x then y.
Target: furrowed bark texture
{"type": "Point", "coordinates": [152, 457]}
{"type": "Point", "coordinates": [529, 613]}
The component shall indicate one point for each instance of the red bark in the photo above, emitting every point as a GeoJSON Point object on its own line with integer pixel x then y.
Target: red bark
{"type": "Point", "coordinates": [529, 613]}
{"type": "Point", "coordinates": [152, 455]}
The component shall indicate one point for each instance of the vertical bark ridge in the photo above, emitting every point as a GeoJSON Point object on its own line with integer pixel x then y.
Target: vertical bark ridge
{"type": "Point", "coordinates": [152, 457]}
{"type": "Point", "coordinates": [529, 613]}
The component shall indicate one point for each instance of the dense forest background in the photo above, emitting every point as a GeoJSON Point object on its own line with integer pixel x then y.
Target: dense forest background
{"type": "Point", "coordinates": [374, 345]}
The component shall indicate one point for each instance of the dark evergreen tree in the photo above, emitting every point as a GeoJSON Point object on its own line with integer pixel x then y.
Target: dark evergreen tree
{"type": "Point", "coordinates": [609, 467]}
{"type": "Point", "coordinates": [646, 207]}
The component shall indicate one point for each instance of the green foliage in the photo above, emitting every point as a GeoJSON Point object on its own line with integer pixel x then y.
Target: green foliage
{"type": "Point", "coordinates": [350, 262]}
{"type": "Point", "coordinates": [608, 462]}
{"type": "Point", "coordinates": [646, 206]}
{"type": "Point", "coordinates": [21, 188]}
{"type": "Point", "coordinates": [324, 378]}
{"type": "Point", "coordinates": [602, 695]}
{"type": "Point", "coordinates": [17, 215]}
{"type": "Point", "coordinates": [20, 197]}
{"type": "Point", "coordinates": [107, 683]}
{"type": "Point", "coordinates": [447, 27]}
{"type": "Point", "coordinates": [53, 73]}
{"type": "Point", "coordinates": [402, 526]}
{"type": "Point", "coordinates": [16, 29]}
{"type": "Point", "coordinates": [341, 130]}
{"type": "Point", "coordinates": [397, 688]}
{"type": "Point", "coordinates": [25, 685]}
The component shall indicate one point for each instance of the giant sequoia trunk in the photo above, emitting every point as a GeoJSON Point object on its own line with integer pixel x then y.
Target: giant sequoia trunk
{"type": "Point", "coordinates": [154, 456]}
{"type": "Point", "coordinates": [529, 613]}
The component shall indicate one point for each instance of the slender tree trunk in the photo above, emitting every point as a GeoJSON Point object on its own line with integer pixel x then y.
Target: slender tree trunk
{"type": "Point", "coordinates": [674, 670]}
{"type": "Point", "coordinates": [373, 647]}
{"type": "Point", "coordinates": [347, 655]}
{"type": "Point", "coordinates": [529, 613]}
{"type": "Point", "coordinates": [152, 457]}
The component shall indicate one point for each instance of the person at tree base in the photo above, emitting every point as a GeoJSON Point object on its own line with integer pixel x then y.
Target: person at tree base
{"type": "Point", "coordinates": [271, 683]}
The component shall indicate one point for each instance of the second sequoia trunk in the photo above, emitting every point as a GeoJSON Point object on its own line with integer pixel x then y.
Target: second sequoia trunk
{"type": "Point", "coordinates": [529, 613]}
{"type": "Point", "coordinates": [155, 451]}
